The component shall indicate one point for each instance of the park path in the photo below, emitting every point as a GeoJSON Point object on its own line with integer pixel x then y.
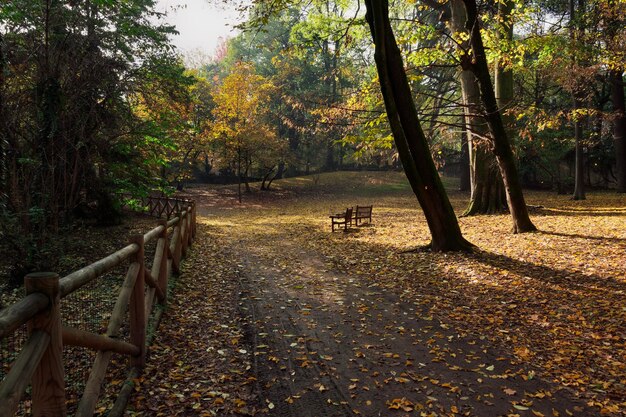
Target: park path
{"type": "Point", "coordinates": [314, 340]}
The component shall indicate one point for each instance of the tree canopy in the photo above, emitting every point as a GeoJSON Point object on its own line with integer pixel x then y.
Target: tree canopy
{"type": "Point", "coordinates": [95, 101]}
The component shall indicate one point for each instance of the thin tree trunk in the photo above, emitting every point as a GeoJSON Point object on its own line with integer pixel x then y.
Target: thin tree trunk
{"type": "Point", "coordinates": [579, 161]}
{"type": "Point", "coordinates": [246, 171]}
{"type": "Point", "coordinates": [616, 84]}
{"type": "Point", "coordinates": [619, 127]}
{"type": "Point", "coordinates": [579, 174]}
{"type": "Point", "coordinates": [4, 174]}
{"type": "Point", "coordinates": [207, 165]}
{"type": "Point", "coordinates": [329, 164]}
{"type": "Point", "coordinates": [49, 104]}
{"type": "Point", "coordinates": [281, 170]}
{"type": "Point", "coordinates": [239, 174]}
{"type": "Point", "coordinates": [464, 165]}
{"type": "Point", "coordinates": [269, 184]}
{"type": "Point", "coordinates": [266, 177]}
{"type": "Point", "coordinates": [408, 135]}
{"type": "Point", "coordinates": [501, 146]}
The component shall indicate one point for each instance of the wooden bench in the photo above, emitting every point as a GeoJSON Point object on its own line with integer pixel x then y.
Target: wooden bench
{"type": "Point", "coordinates": [344, 219]}
{"type": "Point", "coordinates": [362, 213]}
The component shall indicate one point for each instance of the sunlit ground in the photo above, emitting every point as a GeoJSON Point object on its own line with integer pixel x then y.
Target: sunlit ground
{"type": "Point", "coordinates": [554, 298]}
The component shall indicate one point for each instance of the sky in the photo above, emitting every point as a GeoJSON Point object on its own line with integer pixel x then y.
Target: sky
{"type": "Point", "coordinates": [201, 25]}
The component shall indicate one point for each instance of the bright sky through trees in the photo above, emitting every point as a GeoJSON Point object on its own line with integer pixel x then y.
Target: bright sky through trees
{"type": "Point", "coordinates": [200, 24]}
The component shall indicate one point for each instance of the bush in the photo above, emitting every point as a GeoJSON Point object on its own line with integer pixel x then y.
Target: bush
{"type": "Point", "coordinates": [27, 244]}
{"type": "Point", "coordinates": [108, 210]}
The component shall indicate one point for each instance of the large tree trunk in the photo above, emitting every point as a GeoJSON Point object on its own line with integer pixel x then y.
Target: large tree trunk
{"type": "Point", "coordinates": [503, 77]}
{"type": "Point", "coordinates": [619, 127]}
{"type": "Point", "coordinates": [501, 146]}
{"type": "Point", "coordinates": [487, 191]}
{"type": "Point", "coordinates": [408, 135]}
{"type": "Point", "coordinates": [503, 73]}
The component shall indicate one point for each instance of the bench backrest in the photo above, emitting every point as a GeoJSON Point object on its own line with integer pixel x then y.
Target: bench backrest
{"type": "Point", "coordinates": [363, 210]}
{"type": "Point", "coordinates": [348, 213]}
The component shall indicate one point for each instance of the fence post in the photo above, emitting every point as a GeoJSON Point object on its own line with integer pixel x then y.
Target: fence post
{"type": "Point", "coordinates": [193, 218]}
{"type": "Point", "coordinates": [137, 310]}
{"type": "Point", "coordinates": [178, 237]}
{"type": "Point", "coordinates": [189, 211]}
{"type": "Point", "coordinates": [184, 232]}
{"type": "Point", "coordinates": [163, 270]}
{"type": "Point", "coordinates": [195, 221]}
{"type": "Point", "coordinates": [48, 381]}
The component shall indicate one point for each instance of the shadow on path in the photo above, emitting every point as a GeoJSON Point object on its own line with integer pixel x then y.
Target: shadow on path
{"type": "Point", "coordinates": [598, 238]}
{"type": "Point", "coordinates": [328, 344]}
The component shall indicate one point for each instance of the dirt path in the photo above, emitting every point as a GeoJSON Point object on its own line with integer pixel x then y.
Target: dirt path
{"type": "Point", "coordinates": [274, 315]}
{"type": "Point", "coordinates": [329, 343]}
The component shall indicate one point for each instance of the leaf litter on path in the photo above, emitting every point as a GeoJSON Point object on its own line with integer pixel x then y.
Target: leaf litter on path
{"type": "Point", "coordinates": [350, 324]}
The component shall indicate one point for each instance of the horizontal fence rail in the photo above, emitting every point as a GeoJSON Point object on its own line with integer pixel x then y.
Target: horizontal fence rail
{"type": "Point", "coordinates": [156, 206]}
{"type": "Point", "coordinates": [39, 363]}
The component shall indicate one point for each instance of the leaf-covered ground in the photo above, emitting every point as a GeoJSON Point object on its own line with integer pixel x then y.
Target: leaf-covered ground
{"type": "Point", "coordinates": [274, 314]}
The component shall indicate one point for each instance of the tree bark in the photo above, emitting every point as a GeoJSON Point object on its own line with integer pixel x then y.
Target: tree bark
{"type": "Point", "coordinates": [619, 127]}
{"type": "Point", "coordinates": [579, 174]}
{"type": "Point", "coordinates": [330, 69]}
{"type": "Point", "coordinates": [503, 74]}
{"type": "Point", "coordinates": [408, 135]}
{"type": "Point", "coordinates": [246, 179]}
{"type": "Point", "coordinates": [579, 160]}
{"type": "Point", "coordinates": [271, 180]}
{"type": "Point", "coordinates": [266, 178]}
{"type": "Point", "coordinates": [500, 141]}
{"type": "Point", "coordinates": [464, 163]}
{"type": "Point", "coordinates": [487, 191]}
{"type": "Point", "coordinates": [487, 196]}
{"type": "Point", "coordinates": [239, 174]}
{"type": "Point", "coordinates": [4, 182]}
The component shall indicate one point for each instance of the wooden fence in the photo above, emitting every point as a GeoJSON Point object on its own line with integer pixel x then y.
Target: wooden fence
{"type": "Point", "coordinates": [40, 360]}
{"type": "Point", "coordinates": [157, 206]}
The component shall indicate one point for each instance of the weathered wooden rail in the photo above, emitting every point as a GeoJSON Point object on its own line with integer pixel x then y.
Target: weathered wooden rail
{"type": "Point", "coordinates": [40, 360]}
{"type": "Point", "coordinates": [159, 206]}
